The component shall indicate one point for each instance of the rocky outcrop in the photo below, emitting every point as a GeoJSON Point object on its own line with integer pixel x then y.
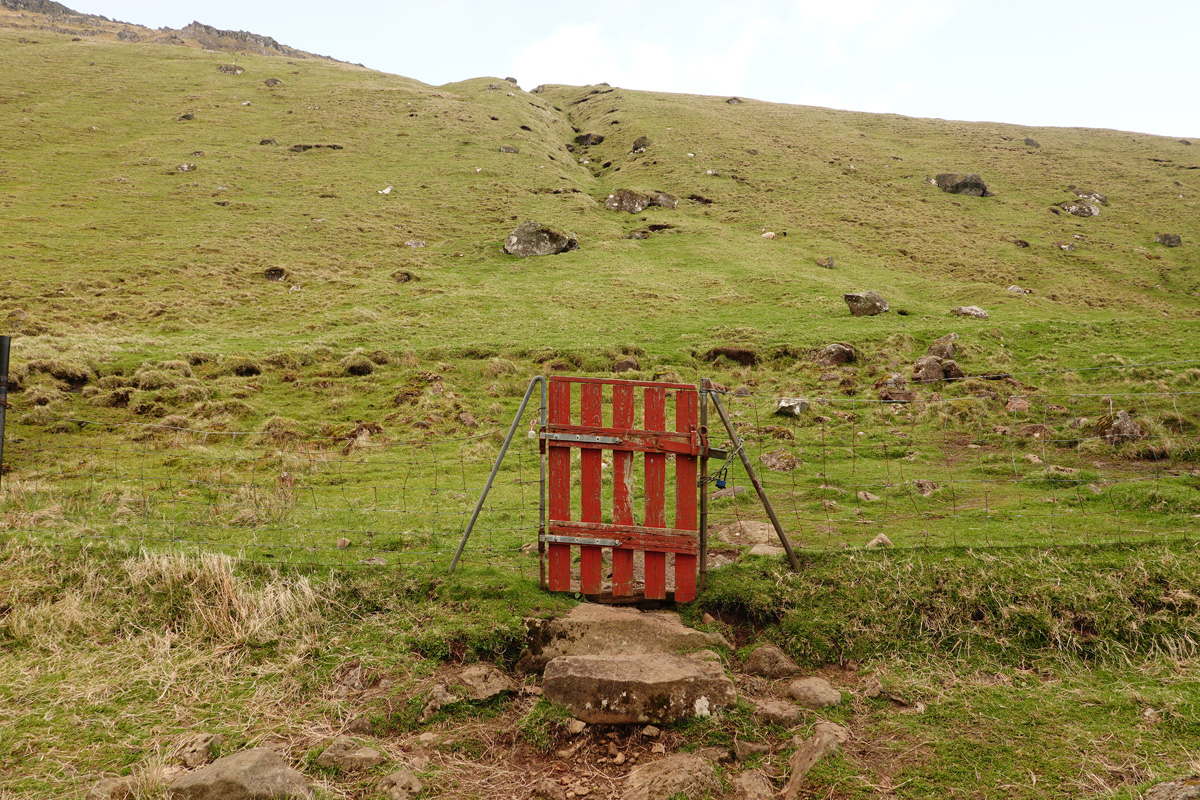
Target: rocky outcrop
{"type": "Point", "coordinates": [257, 774]}
{"type": "Point", "coordinates": [594, 629]}
{"type": "Point", "coordinates": [866, 304]}
{"type": "Point", "coordinates": [655, 687]}
{"type": "Point", "coordinates": [535, 239]}
{"type": "Point", "coordinates": [969, 184]}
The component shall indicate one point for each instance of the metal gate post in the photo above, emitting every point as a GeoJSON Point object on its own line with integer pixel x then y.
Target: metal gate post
{"type": "Point", "coordinates": [496, 468]}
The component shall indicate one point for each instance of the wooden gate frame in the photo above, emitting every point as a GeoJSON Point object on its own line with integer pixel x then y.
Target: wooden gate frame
{"type": "Point", "coordinates": [688, 442]}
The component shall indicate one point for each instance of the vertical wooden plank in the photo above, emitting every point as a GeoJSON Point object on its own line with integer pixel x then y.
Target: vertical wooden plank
{"type": "Point", "coordinates": [656, 493]}
{"type": "Point", "coordinates": [686, 413]}
{"type": "Point", "coordinates": [590, 556]}
{"type": "Point", "coordinates": [622, 559]}
{"type": "Point", "coordinates": [558, 575]}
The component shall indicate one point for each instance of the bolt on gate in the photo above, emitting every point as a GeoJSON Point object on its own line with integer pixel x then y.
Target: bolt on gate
{"type": "Point", "coordinates": [637, 423]}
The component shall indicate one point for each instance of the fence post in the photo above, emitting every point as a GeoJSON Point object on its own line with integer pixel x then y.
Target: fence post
{"type": "Point", "coordinates": [5, 343]}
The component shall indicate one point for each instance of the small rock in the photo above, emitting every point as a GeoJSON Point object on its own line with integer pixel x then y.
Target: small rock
{"type": "Point", "coordinates": [508, 148]}
{"type": "Point", "coordinates": [814, 693]}
{"type": "Point", "coordinates": [576, 727]}
{"type": "Point", "coordinates": [873, 688]}
{"type": "Point", "coordinates": [1014, 289]}
{"type": "Point", "coordinates": [267, 142]}
{"type": "Point", "coordinates": [1017, 405]}
{"type": "Point", "coordinates": [112, 789]}
{"type": "Point", "coordinates": [866, 497]}
{"type": "Point", "coordinates": [439, 697]}
{"type": "Point", "coordinates": [928, 369]}
{"type": "Point", "coordinates": [658, 749]}
{"type": "Point", "coordinates": [1080, 208]}
{"type": "Point", "coordinates": [925, 488]}
{"type": "Point", "coordinates": [1029, 142]}
{"type": "Point", "coordinates": [733, 101]}
{"type": "Point", "coordinates": [839, 732]}
{"type": "Point", "coordinates": [970, 311]}
{"type": "Point", "coordinates": [776, 712]}
{"type": "Point", "coordinates": [752, 786]}
{"type": "Point", "coordinates": [627, 364]}
{"type": "Point", "coordinates": [880, 541]}
{"type": "Point", "coordinates": [549, 789]}
{"type": "Point", "coordinates": [186, 168]}
{"type": "Point", "coordinates": [343, 543]}
{"type": "Point", "coordinates": [968, 184]}
{"type": "Point", "coordinates": [707, 619]}
{"type": "Point", "coordinates": [1123, 428]}
{"type": "Point", "coordinates": [1032, 459]}
{"type": "Point", "coordinates": [943, 347]}
{"type": "Point", "coordinates": [198, 750]}
{"type": "Point", "coordinates": [651, 732]}
{"type": "Point", "coordinates": [770, 661]}
{"type": "Point", "coordinates": [835, 354]}
{"type": "Point", "coordinates": [484, 681]}
{"type": "Point", "coordinates": [256, 773]}
{"type": "Point", "coordinates": [683, 775]}
{"type": "Point", "coordinates": [347, 756]}
{"type": "Point", "coordinates": [1169, 239]}
{"type": "Point", "coordinates": [951, 371]}
{"type": "Point", "coordinates": [826, 262]}
{"type": "Point", "coordinates": [400, 785]}
{"type": "Point", "coordinates": [791, 406]}
{"type": "Point", "coordinates": [743, 750]}
{"type": "Point", "coordinates": [728, 491]}
{"type": "Point", "coordinates": [534, 239]}
{"type": "Point", "coordinates": [865, 304]}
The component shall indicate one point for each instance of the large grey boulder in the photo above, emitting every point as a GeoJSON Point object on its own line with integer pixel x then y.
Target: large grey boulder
{"type": "Point", "coordinates": [681, 775]}
{"type": "Point", "coordinates": [865, 304]}
{"type": "Point", "coordinates": [962, 183]}
{"type": "Point", "coordinates": [535, 239]}
{"type": "Point", "coordinates": [256, 774]}
{"type": "Point", "coordinates": [591, 629]}
{"type": "Point", "coordinates": [655, 687]}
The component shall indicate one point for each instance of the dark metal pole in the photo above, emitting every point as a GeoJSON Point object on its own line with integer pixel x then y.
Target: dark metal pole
{"type": "Point", "coordinates": [496, 468]}
{"type": "Point", "coordinates": [762, 494]}
{"type": "Point", "coordinates": [5, 344]}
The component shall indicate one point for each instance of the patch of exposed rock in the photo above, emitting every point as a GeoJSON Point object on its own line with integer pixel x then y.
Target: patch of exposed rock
{"type": "Point", "coordinates": [535, 239]}
{"type": "Point", "coordinates": [866, 304]}
{"type": "Point", "coordinates": [658, 688]}
{"type": "Point", "coordinates": [256, 774]}
{"type": "Point", "coordinates": [591, 629]}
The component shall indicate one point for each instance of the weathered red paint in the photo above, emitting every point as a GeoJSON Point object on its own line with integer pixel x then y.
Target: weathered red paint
{"type": "Point", "coordinates": [652, 537]}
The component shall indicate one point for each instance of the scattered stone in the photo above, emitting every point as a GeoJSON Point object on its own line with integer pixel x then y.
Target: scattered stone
{"type": "Point", "coordinates": [951, 371]}
{"type": "Point", "coordinates": [791, 406]}
{"type": "Point", "coordinates": [640, 145]}
{"type": "Point", "coordinates": [925, 488]}
{"type": "Point", "coordinates": [943, 347]}
{"type": "Point", "coordinates": [186, 168]}
{"type": "Point", "coordinates": [814, 693]}
{"type": "Point", "coordinates": [743, 750]}
{"type": "Point", "coordinates": [439, 697]}
{"type": "Point", "coordinates": [576, 727]}
{"type": "Point", "coordinates": [414, 243]}
{"type": "Point", "coordinates": [779, 461]}
{"type": "Point", "coordinates": [112, 789]}
{"type": "Point", "coordinates": [484, 681]}
{"type": "Point", "coordinates": [897, 396]}
{"type": "Point", "coordinates": [267, 142]}
{"type": "Point", "coordinates": [1090, 196]}
{"type": "Point", "coordinates": [682, 775]}
{"type": "Point", "coordinates": [733, 101]}
{"type": "Point", "coordinates": [928, 369]}
{"type": "Point", "coordinates": [230, 69]}
{"type": "Point", "coordinates": [1169, 239]}
{"type": "Point", "coordinates": [534, 239]}
{"type": "Point", "coordinates": [836, 353]}
{"type": "Point", "coordinates": [1031, 142]}
{"type": "Point", "coordinates": [962, 183]}
{"type": "Point", "coordinates": [549, 789]}
{"type": "Point", "coordinates": [808, 754]}
{"type": "Point", "coordinates": [865, 304]}
{"type": "Point", "coordinates": [970, 311]}
{"type": "Point", "coordinates": [400, 785]}
{"type": "Point", "coordinates": [343, 543]}
{"type": "Point", "coordinates": [655, 687]}
{"type": "Point", "coordinates": [508, 148]}
{"type": "Point", "coordinates": [198, 750]}
{"type": "Point", "coordinates": [777, 712]}
{"type": "Point", "coordinates": [635, 202]}
{"type": "Point", "coordinates": [1017, 405]}
{"type": "Point", "coordinates": [880, 541]}
{"type": "Point", "coordinates": [1066, 247]}
{"type": "Point", "coordinates": [1123, 428]}
{"type": "Point", "coordinates": [187, 117]}
{"type": "Point", "coordinates": [638, 235]}
{"type": "Point", "coordinates": [752, 785]}
{"type": "Point", "coordinates": [867, 497]}
{"type": "Point", "coordinates": [826, 263]}
{"type": "Point", "coordinates": [770, 661]}
{"type": "Point", "coordinates": [1032, 458]}
{"type": "Point", "coordinates": [651, 732]}
{"type": "Point", "coordinates": [839, 732]}
{"type": "Point", "coordinates": [255, 774]}
{"type": "Point", "coordinates": [589, 139]}
{"type": "Point", "coordinates": [873, 688]}
{"type": "Point", "coordinates": [1080, 208]}
{"type": "Point", "coordinates": [272, 82]}
{"type": "Point", "coordinates": [304, 148]}
{"type": "Point", "coordinates": [627, 364]}
{"type": "Point", "coordinates": [1179, 789]}
{"type": "Point", "coordinates": [347, 756]}
{"type": "Point", "coordinates": [592, 629]}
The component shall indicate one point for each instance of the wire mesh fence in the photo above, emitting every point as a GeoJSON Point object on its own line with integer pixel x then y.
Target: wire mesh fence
{"type": "Point", "coordinates": [980, 463]}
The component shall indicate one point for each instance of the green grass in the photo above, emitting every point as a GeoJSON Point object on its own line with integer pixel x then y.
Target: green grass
{"type": "Point", "coordinates": [1040, 602]}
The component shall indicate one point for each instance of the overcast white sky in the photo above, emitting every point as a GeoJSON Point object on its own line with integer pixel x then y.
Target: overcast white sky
{"type": "Point", "coordinates": [1090, 63]}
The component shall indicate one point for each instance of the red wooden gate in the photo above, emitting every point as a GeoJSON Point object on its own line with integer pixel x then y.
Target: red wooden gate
{"type": "Point", "coordinates": [590, 532]}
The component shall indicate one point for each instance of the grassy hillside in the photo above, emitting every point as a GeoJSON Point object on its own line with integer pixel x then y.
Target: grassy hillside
{"type": "Point", "coordinates": [283, 353]}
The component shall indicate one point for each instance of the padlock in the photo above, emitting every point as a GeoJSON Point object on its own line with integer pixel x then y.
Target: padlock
{"type": "Point", "coordinates": [720, 483]}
